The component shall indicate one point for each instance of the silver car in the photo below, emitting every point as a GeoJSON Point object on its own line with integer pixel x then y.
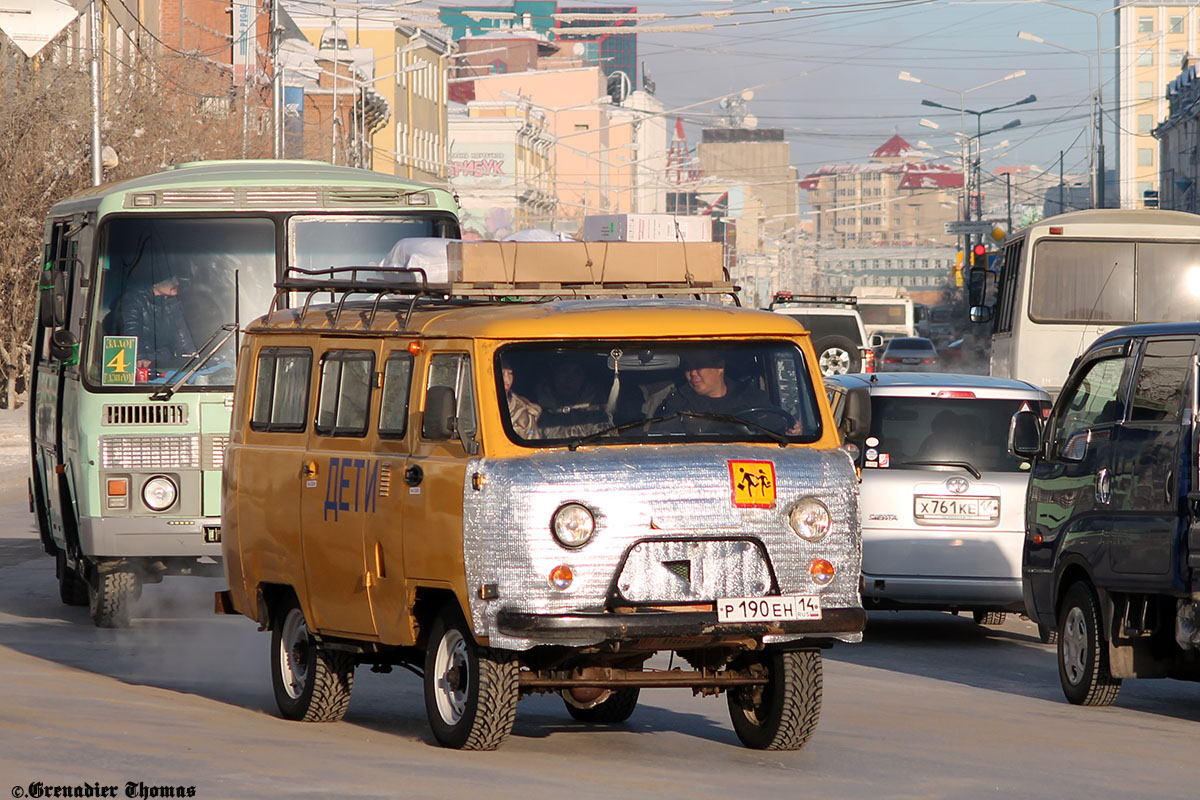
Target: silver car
{"type": "Point", "coordinates": [942, 500]}
{"type": "Point", "coordinates": [908, 354]}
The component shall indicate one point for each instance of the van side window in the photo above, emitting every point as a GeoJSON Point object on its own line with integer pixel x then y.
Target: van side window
{"type": "Point", "coordinates": [393, 411]}
{"type": "Point", "coordinates": [453, 371]}
{"type": "Point", "coordinates": [1092, 401]}
{"type": "Point", "coordinates": [345, 396]}
{"type": "Point", "coordinates": [1162, 375]}
{"type": "Point", "coordinates": [281, 389]}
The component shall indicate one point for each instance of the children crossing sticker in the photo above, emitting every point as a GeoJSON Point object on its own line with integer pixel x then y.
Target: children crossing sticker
{"type": "Point", "coordinates": [120, 361]}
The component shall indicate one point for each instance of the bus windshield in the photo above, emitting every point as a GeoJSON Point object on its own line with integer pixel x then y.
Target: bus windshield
{"type": "Point", "coordinates": [166, 286]}
{"type": "Point", "coordinates": [324, 242]}
{"type": "Point", "coordinates": [624, 392]}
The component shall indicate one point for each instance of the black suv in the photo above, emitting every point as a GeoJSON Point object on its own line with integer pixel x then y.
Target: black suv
{"type": "Point", "coordinates": [1111, 560]}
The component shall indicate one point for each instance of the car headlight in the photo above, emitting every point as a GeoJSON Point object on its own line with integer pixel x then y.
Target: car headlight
{"type": "Point", "coordinates": [573, 525]}
{"type": "Point", "coordinates": [159, 493]}
{"type": "Point", "coordinates": [810, 519]}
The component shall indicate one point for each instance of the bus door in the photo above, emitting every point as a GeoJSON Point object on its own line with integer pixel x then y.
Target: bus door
{"type": "Point", "coordinates": [55, 358]}
{"type": "Point", "coordinates": [340, 490]}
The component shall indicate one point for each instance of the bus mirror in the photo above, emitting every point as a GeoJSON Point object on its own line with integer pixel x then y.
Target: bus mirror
{"type": "Point", "coordinates": [52, 304]}
{"type": "Point", "coordinates": [976, 285]}
{"type": "Point", "coordinates": [64, 346]}
{"type": "Point", "coordinates": [981, 313]}
{"type": "Point", "coordinates": [1025, 434]}
{"type": "Point", "coordinates": [438, 421]}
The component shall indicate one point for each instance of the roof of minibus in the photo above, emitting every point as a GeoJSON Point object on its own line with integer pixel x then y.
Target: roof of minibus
{"type": "Point", "coordinates": [240, 172]}
{"type": "Point", "coordinates": [556, 319]}
{"type": "Point", "coordinates": [1115, 218]}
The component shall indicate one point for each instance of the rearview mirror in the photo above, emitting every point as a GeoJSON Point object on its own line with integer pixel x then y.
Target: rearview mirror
{"type": "Point", "coordinates": [981, 313]}
{"type": "Point", "coordinates": [52, 301]}
{"type": "Point", "coordinates": [976, 285]}
{"type": "Point", "coordinates": [856, 418]}
{"type": "Point", "coordinates": [1025, 434]}
{"type": "Point", "coordinates": [876, 340]}
{"type": "Point", "coordinates": [438, 421]}
{"type": "Point", "coordinates": [64, 346]}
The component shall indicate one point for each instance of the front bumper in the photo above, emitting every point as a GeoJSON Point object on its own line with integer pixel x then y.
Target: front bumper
{"type": "Point", "coordinates": [584, 628]}
{"type": "Point", "coordinates": [147, 537]}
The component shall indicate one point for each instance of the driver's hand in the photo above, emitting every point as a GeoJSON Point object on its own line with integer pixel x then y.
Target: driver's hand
{"type": "Point", "coordinates": [795, 430]}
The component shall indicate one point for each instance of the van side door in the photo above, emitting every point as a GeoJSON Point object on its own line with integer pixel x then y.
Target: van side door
{"type": "Point", "coordinates": [1149, 456]}
{"type": "Point", "coordinates": [339, 496]}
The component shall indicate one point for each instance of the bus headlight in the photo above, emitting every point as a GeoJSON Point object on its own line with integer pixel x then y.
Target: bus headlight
{"type": "Point", "coordinates": [159, 493]}
{"type": "Point", "coordinates": [810, 519]}
{"type": "Point", "coordinates": [573, 525]}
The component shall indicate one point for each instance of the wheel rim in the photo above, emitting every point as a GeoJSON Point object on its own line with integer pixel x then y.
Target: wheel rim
{"type": "Point", "coordinates": [452, 677]}
{"type": "Point", "coordinates": [835, 361]}
{"type": "Point", "coordinates": [295, 653]}
{"type": "Point", "coordinates": [1074, 645]}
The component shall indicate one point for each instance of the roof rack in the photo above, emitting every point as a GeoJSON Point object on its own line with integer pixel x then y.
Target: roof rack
{"type": "Point", "coordinates": [412, 284]}
{"type": "Point", "coordinates": [784, 297]}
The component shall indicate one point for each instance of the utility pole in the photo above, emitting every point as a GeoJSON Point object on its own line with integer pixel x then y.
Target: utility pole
{"type": "Point", "coordinates": [1008, 195]}
{"type": "Point", "coordinates": [1062, 203]}
{"type": "Point", "coordinates": [94, 36]}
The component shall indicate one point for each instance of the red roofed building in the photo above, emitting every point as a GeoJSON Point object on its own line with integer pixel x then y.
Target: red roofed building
{"type": "Point", "coordinates": [896, 199]}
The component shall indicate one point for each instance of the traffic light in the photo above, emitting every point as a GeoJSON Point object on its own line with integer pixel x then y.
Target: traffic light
{"type": "Point", "coordinates": [979, 256]}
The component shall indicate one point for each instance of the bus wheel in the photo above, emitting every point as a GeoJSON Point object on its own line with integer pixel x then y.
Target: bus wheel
{"type": "Point", "coordinates": [110, 597]}
{"type": "Point", "coordinates": [783, 713]}
{"type": "Point", "coordinates": [72, 588]}
{"type": "Point", "coordinates": [311, 683]}
{"type": "Point", "coordinates": [617, 707]}
{"type": "Point", "coordinates": [471, 692]}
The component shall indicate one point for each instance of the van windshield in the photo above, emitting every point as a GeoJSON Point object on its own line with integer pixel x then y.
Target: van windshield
{"type": "Point", "coordinates": [926, 429]}
{"type": "Point", "coordinates": [626, 392]}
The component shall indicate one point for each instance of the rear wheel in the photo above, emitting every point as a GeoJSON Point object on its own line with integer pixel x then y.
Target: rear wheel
{"type": "Point", "coordinates": [72, 588]}
{"type": "Point", "coordinates": [837, 355]}
{"type": "Point", "coordinates": [1083, 667]}
{"type": "Point", "coordinates": [783, 713]}
{"type": "Point", "coordinates": [617, 707]}
{"type": "Point", "coordinates": [1047, 634]}
{"type": "Point", "coordinates": [988, 617]}
{"type": "Point", "coordinates": [111, 594]}
{"type": "Point", "coordinates": [311, 683]}
{"type": "Point", "coordinates": [471, 692]}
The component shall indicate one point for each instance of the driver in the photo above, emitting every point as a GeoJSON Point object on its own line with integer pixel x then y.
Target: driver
{"type": "Point", "coordinates": [705, 390]}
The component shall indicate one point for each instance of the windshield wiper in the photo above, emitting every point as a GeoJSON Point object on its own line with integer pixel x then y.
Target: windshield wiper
{"type": "Point", "coordinates": [197, 360]}
{"type": "Point", "coordinates": [730, 418]}
{"type": "Point", "coordinates": [960, 464]}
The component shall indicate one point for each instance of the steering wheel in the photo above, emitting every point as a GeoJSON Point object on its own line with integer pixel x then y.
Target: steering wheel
{"type": "Point", "coordinates": [788, 419]}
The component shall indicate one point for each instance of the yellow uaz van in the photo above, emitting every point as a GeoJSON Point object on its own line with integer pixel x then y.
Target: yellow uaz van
{"type": "Point", "coordinates": [531, 478]}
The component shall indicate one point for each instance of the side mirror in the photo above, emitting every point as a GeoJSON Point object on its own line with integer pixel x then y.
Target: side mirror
{"type": "Point", "coordinates": [52, 302]}
{"type": "Point", "coordinates": [1025, 434]}
{"type": "Point", "coordinates": [981, 313]}
{"type": "Point", "coordinates": [876, 340]}
{"type": "Point", "coordinates": [64, 346]}
{"type": "Point", "coordinates": [438, 421]}
{"type": "Point", "coordinates": [976, 285]}
{"type": "Point", "coordinates": [856, 417]}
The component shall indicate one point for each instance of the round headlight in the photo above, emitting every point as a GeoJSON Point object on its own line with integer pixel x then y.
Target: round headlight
{"type": "Point", "coordinates": [159, 493]}
{"type": "Point", "coordinates": [810, 519]}
{"type": "Point", "coordinates": [573, 525]}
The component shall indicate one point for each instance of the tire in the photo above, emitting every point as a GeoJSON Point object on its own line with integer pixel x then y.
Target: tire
{"type": "Point", "coordinates": [1046, 634]}
{"type": "Point", "coordinates": [72, 588]}
{"type": "Point", "coordinates": [110, 597]}
{"type": "Point", "coordinates": [617, 707]}
{"type": "Point", "coordinates": [837, 355]}
{"type": "Point", "coordinates": [471, 692]}
{"type": "Point", "coordinates": [783, 714]}
{"type": "Point", "coordinates": [311, 683]}
{"type": "Point", "coordinates": [1083, 666]}
{"type": "Point", "coordinates": [988, 617]}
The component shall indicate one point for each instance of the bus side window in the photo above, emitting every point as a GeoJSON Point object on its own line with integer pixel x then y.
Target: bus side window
{"type": "Point", "coordinates": [1006, 291]}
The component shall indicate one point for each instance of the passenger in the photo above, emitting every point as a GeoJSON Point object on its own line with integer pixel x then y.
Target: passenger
{"type": "Point", "coordinates": [154, 314]}
{"type": "Point", "coordinates": [522, 413]}
{"type": "Point", "coordinates": [571, 403]}
{"type": "Point", "coordinates": [706, 390]}
{"type": "Point", "coordinates": [951, 436]}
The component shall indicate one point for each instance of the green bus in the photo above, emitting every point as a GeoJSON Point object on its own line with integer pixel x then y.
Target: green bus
{"type": "Point", "coordinates": [145, 287]}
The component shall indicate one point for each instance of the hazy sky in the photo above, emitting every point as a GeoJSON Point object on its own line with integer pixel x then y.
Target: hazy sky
{"type": "Point", "coordinates": [826, 71]}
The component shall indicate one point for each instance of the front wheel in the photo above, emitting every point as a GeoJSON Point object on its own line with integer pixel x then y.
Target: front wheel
{"type": "Point", "coordinates": [1083, 666]}
{"type": "Point", "coordinates": [783, 713]}
{"type": "Point", "coordinates": [471, 692]}
{"type": "Point", "coordinates": [311, 684]}
{"type": "Point", "coordinates": [111, 594]}
{"type": "Point", "coordinates": [988, 617]}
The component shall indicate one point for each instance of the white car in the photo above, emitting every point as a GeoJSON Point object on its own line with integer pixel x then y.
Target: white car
{"type": "Point", "coordinates": [942, 499]}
